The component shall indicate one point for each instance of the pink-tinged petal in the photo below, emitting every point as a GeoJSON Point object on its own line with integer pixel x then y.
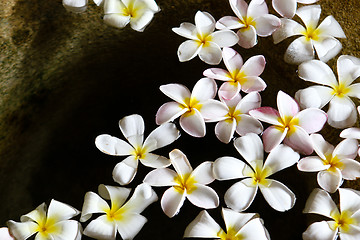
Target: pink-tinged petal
{"type": "Point", "coordinates": [249, 102]}
{"type": "Point", "coordinates": [101, 228]}
{"type": "Point", "coordinates": [320, 230]}
{"type": "Point", "coordinates": [203, 226]}
{"type": "Point", "coordinates": [257, 8]}
{"type": "Point", "coordinates": [311, 119]}
{"type": "Point", "coordinates": [116, 20]}
{"type": "Point", "coordinates": [327, 48]}
{"type": "Point", "coordinates": [154, 161]}
{"type": "Point", "coordinates": [347, 148]}
{"type": "Point", "coordinates": [224, 130]}
{"type": "Point", "coordinates": [342, 112]}
{"type": "Point", "coordinates": [254, 229]}
{"type": "Point", "coordinates": [240, 195]}
{"type": "Point", "coordinates": [286, 8]}
{"type": "Point", "coordinates": [272, 137]}
{"type": "Point", "coordinates": [299, 140]}
{"type": "Point", "coordinates": [279, 158]}
{"type": "Point", "coordinates": [267, 114]}
{"type": "Point", "coordinates": [169, 112]}
{"type": "Point", "coordinates": [310, 15]}
{"type": "Point", "coordinates": [125, 171]}
{"type": "Point", "coordinates": [247, 37]}
{"type": "Point", "coordinates": [76, 6]}
{"type": "Point", "coordinates": [139, 23]}
{"type": "Point", "coordinates": [278, 196]}
{"type": "Point", "coordinates": [321, 147]}
{"type": "Point", "coordinates": [317, 72]}
{"type": "Point", "coordinates": [188, 50]}
{"type": "Point", "coordinates": [350, 133]}
{"type": "Point", "coordinates": [164, 135]}
{"type": "Point", "coordinates": [22, 230]}
{"type": "Point", "coordinates": [231, 103]}
{"type": "Point", "coordinates": [300, 50]}
{"type": "Point", "coordinates": [253, 84]}
{"type": "Point", "coordinates": [5, 234]}
{"type": "Point", "coordinates": [314, 96]}
{"type": "Point", "coordinates": [266, 25]}
{"type": "Point", "coordinates": [287, 106]}
{"type": "Point", "coordinates": [226, 168]}
{"type": "Point", "coordinates": [210, 53]}
{"type": "Point", "coordinates": [239, 7]}
{"type": "Point", "coordinates": [204, 89]}
{"type": "Point", "coordinates": [228, 90]}
{"type": "Point", "coordinates": [232, 59]}
{"type": "Point", "coordinates": [349, 200]}
{"type": "Point", "coordinates": [161, 177]}
{"type": "Point", "coordinates": [351, 169]}
{"type": "Point", "coordinates": [142, 197]}
{"type": "Point", "coordinates": [132, 125]}
{"type": "Point", "coordinates": [348, 68]}
{"type": "Point", "coordinates": [320, 202]}
{"type": "Point", "coordinates": [205, 23]}
{"type": "Point", "coordinates": [250, 147]}
{"type": "Point", "coordinates": [311, 164]}
{"type": "Point", "coordinates": [254, 66]}
{"type": "Point", "coordinates": [330, 180]}
{"type": "Point", "coordinates": [180, 162]}
{"type": "Point", "coordinates": [203, 197]}
{"type": "Point", "coordinates": [214, 110]}
{"type": "Point", "coordinates": [288, 28]}
{"type": "Point", "coordinates": [113, 146]}
{"type": "Point", "coordinates": [248, 124]}
{"type": "Point", "coordinates": [203, 173]}
{"type": "Point", "coordinates": [217, 73]}
{"type": "Point", "coordinates": [177, 92]}
{"type": "Point", "coordinates": [186, 30]}
{"type": "Point", "coordinates": [224, 38]}
{"type": "Point", "coordinates": [229, 22]}
{"type": "Point", "coordinates": [329, 26]}
{"type": "Point", "coordinates": [171, 202]}
{"type": "Point", "coordinates": [193, 123]}
{"type": "Point", "coordinates": [130, 227]}
{"type": "Point", "coordinates": [354, 90]}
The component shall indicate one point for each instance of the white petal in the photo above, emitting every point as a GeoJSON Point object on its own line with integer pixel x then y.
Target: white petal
{"type": "Point", "coordinates": [239, 7]}
{"type": "Point", "coordinates": [319, 230]}
{"type": "Point", "coordinates": [177, 92]}
{"type": "Point", "coordinates": [311, 164]}
{"type": "Point", "coordinates": [226, 168]}
{"type": "Point", "coordinates": [228, 90]}
{"type": "Point", "coordinates": [224, 38]}
{"type": "Point", "coordinates": [235, 220]}
{"type": "Point", "coordinates": [330, 180]}
{"type": "Point", "coordinates": [348, 68]}
{"type": "Point", "coordinates": [188, 50]}
{"type": "Point", "coordinates": [113, 6]}
{"type": "Point", "coordinates": [320, 202]}
{"type": "Point", "coordinates": [152, 5]}
{"type": "Point", "coordinates": [329, 26]}
{"type": "Point", "coordinates": [204, 89]}
{"type": "Point", "coordinates": [349, 200]}
{"type": "Point", "coordinates": [229, 22]}
{"type": "Point", "coordinates": [288, 28]}
{"type": "Point", "coordinates": [351, 169]}
{"type": "Point", "coordinates": [22, 230]}
{"type": "Point", "coordinates": [314, 96]}
{"type": "Point", "coordinates": [299, 140]}
{"type": "Point", "coordinates": [113, 145]}
{"type": "Point", "coordinates": [250, 147]}
{"type": "Point", "coordinates": [37, 215]}
{"type": "Point", "coordinates": [117, 195]}
{"type": "Point", "coordinates": [116, 20]}
{"type": "Point", "coordinates": [5, 234]}
{"type": "Point", "coordinates": [180, 162]}
{"type": "Point", "coordinates": [92, 204]}
{"type": "Point", "coordinates": [217, 73]}
{"type": "Point", "coordinates": [224, 130]}
{"type": "Point", "coordinates": [203, 173]}
{"type": "Point", "coordinates": [172, 201]}
{"type": "Point", "coordinates": [155, 161]}
{"type": "Point", "coordinates": [205, 23]}
{"type": "Point", "coordinates": [254, 66]}
{"type": "Point", "coordinates": [257, 8]}
{"type": "Point", "coordinates": [266, 114]}
{"type": "Point", "coordinates": [327, 48]}
{"type": "Point", "coordinates": [285, 8]}
{"type": "Point", "coordinates": [164, 135]}
{"type": "Point", "coordinates": [248, 124]}
{"type": "Point", "coordinates": [342, 112]}
{"type": "Point", "coordinates": [287, 106]}
{"type": "Point", "coordinates": [169, 112]}
{"type": "Point", "coordinates": [161, 177]}
{"type": "Point", "coordinates": [186, 30]}
{"type": "Point", "coordinates": [68, 229]}
{"type": "Point", "coordinates": [350, 234]}
{"type": "Point", "coordinates": [278, 196]}
{"type": "Point", "coordinates": [266, 25]}
{"type": "Point", "coordinates": [281, 157]}
{"type": "Point", "coordinates": [347, 148]}
{"type": "Point", "coordinates": [124, 172]}
{"type": "Point", "coordinates": [142, 197]}
{"type": "Point", "coordinates": [317, 72]}
{"type": "Point", "coordinates": [354, 90]}
{"type": "Point", "coordinates": [310, 15]}
{"type": "Point", "coordinates": [311, 119]}
{"type": "Point", "coordinates": [300, 50]}
{"type": "Point", "coordinates": [132, 125]}
{"type": "Point", "coordinates": [210, 53]}
{"type": "Point", "coordinates": [203, 226]}
{"type": "Point", "coordinates": [101, 228]}
{"type": "Point", "coordinates": [321, 147]}
{"type": "Point", "coordinates": [252, 84]}
{"type": "Point", "coordinates": [214, 110]}
{"type": "Point", "coordinates": [76, 6]}
{"type": "Point", "coordinates": [139, 23]}
{"type": "Point", "coordinates": [350, 133]}
{"type": "Point", "coordinates": [240, 196]}
{"type": "Point", "coordinates": [247, 37]}
{"type": "Point", "coordinates": [254, 229]}
{"type": "Point", "coordinates": [61, 211]}
{"type": "Point", "coordinates": [129, 227]}
{"type": "Point", "coordinates": [272, 137]}
{"type": "Point", "coordinates": [232, 59]}
{"type": "Point", "coordinates": [193, 123]}
{"type": "Point", "coordinates": [203, 196]}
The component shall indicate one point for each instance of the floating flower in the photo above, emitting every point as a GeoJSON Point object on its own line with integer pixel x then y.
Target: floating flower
{"type": "Point", "coordinates": [189, 105]}
{"type": "Point", "coordinates": [185, 183]}
{"type": "Point", "coordinates": [251, 20]}
{"type": "Point", "coordinates": [239, 75]}
{"type": "Point", "coordinates": [342, 111]}
{"type": "Point", "coordinates": [344, 222]}
{"type": "Point", "coordinates": [321, 38]}
{"type": "Point", "coordinates": [238, 226]}
{"type": "Point", "coordinates": [139, 13]}
{"type": "Point", "coordinates": [47, 223]}
{"type": "Point", "coordinates": [121, 217]}
{"type": "Point", "coordinates": [332, 164]}
{"type": "Point", "coordinates": [203, 40]}
{"type": "Point", "coordinates": [5, 235]}
{"type": "Point", "coordinates": [78, 6]}
{"type": "Point", "coordinates": [290, 124]}
{"type": "Point", "coordinates": [240, 195]}
{"type": "Point", "coordinates": [287, 8]}
{"type": "Point", "coordinates": [132, 128]}
{"type": "Point", "coordinates": [235, 117]}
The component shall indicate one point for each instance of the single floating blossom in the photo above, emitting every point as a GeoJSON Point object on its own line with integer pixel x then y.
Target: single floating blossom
{"type": "Point", "coordinates": [332, 164]}
{"type": "Point", "coordinates": [342, 111]}
{"type": "Point", "coordinates": [251, 20]}
{"type": "Point", "coordinates": [321, 39]}
{"type": "Point", "coordinates": [132, 127]}
{"type": "Point", "coordinates": [47, 223]}
{"type": "Point", "coordinates": [5, 235]}
{"type": "Point", "coordinates": [235, 117]}
{"type": "Point", "coordinates": [344, 223]}
{"type": "Point", "coordinates": [123, 217]}
{"type": "Point", "coordinates": [139, 13]}
{"type": "Point", "coordinates": [240, 195]}
{"type": "Point", "coordinates": [244, 226]}
{"type": "Point", "coordinates": [189, 105]}
{"type": "Point", "coordinates": [290, 124]}
{"type": "Point", "coordinates": [185, 183]}
{"type": "Point", "coordinates": [287, 8]}
{"type": "Point", "coordinates": [239, 75]}
{"type": "Point", "coordinates": [78, 6]}
{"type": "Point", "coordinates": [203, 40]}
{"type": "Point", "coordinates": [352, 132]}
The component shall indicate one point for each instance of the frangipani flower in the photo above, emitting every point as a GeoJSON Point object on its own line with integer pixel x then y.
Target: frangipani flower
{"type": "Point", "coordinates": [290, 124]}
{"type": "Point", "coordinates": [332, 164]}
{"type": "Point", "coordinates": [185, 183]}
{"type": "Point", "coordinates": [139, 13]}
{"type": "Point", "coordinates": [240, 195]}
{"type": "Point", "coordinates": [203, 40]}
{"type": "Point", "coordinates": [235, 117]}
{"type": "Point", "coordinates": [342, 111]}
{"type": "Point", "coordinates": [239, 75]}
{"type": "Point", "coordinates": [132, 128]}
{"type": "Point", "coordinates": [47, 223]}
{"type": "Point", "coordinates": [251, 20]}
{"type": "Point", "coordinates": [78, 6]}
{"type": "Point", "coordinates": [244, 226]}
{"type": "Point", "coordinates": [320, 38]}
{"type": "Point", "coordinates": [352, 132]}
{"type": "Point", "coordinates": [189, 105]}
{"type": "Point", "coordinates": [120, 217]}
{"type": "Point", "coordinates": [344, 222]}
{"type": "Point", "coordinates": [287, 8]}
{"type": "Point", "coordinates": [4, 234]}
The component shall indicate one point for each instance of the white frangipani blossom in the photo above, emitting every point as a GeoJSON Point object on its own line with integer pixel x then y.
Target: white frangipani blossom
{"type": "Point", "coordinates": [342, 111]}
{"type": "Point", "coordinates": [47, 223]}
{"type": "Point", "coordinates": [184, 183]}
{"type": "Point", "coordinates": [203, 40]}
{"type": "Point", "coordinates": [313, 37]}
{"type": "Point", "coordinates": [78, 6]}
{"type": "Point", "coordinates": [123, 217]}
{"type": "Point", "coordinates": [352, 132]}
{"type": "Point", "coordinates": [244, 226]}
{"type": "Point", "coordinates": [132, 128]}
{"type": "Point", "coordinates": [251, 20]}
{"type": "Point", "coordinates": [5, 234]}
{"type": "Point", "coordinates": [139, 13]}
{"type": "Point", "coordinates": [344, 222]}
{"type": "Point", "coordinates": [287, 8]}
{"type": "Point", "coordinates": [255, 174]}
{"type": "Point", "coordinates": [332, 164]}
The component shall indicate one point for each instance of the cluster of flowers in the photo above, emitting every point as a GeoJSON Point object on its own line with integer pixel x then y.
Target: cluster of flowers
{"type": "Point", "coordinates": [292, 131]}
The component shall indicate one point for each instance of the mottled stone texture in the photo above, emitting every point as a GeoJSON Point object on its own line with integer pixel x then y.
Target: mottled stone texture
{"type": "Point", "coordinates": [65, 78]}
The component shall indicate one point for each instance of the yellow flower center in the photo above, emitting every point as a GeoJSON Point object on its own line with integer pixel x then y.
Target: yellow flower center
{"type": "Point", "coordinates": [342, 220]}
{"type": "Point", "coordinates": [139, 152]}
{"type": "Point", "coordinates": [237, 77]}
{"type": "Point", "coordinates": [204, 39]}
{"type": "Point", "coordinates": [114, 214]}
{"type": "Point", "coordinates": [191, 104]}
{"type": "Point", "coordinates": [46, 226]}
{"type": "Point", "coordinates": [311, 33]}
{"type": "Point", "coordinates": [248, 21]}
{"type": "Point", "coordinates": [230, 235]}
{"type": "Point", "coordinates": [185, 182]}
{"type": "Point", "coordinates": [341, 90]}
{"type": "Point", "coordinates": [334, 163]}
{"type": "Point", "coordinates": [133, 10]}
{"type": "Point", "coordinates": [233, 114]}
{"type": "Point", "coordinates": [259, 176]}
{"type": "Point", "coordinates": [288, 122]}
